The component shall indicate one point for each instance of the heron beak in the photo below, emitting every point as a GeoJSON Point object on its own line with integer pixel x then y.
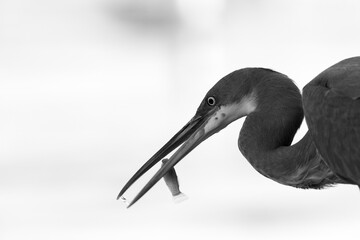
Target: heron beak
{"type": "Point", "coordinates": [191, 135]}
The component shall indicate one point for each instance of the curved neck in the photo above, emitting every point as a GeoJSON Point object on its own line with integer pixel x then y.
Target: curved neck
{"type": "Point", "coordinates": [277, 116]}
{"type": "Point", "coordinates": [267, 133]}
{"type": "Point", "coordinates": [265, 142]}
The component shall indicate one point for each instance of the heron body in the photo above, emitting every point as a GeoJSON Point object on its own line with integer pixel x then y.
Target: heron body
{"type": "Point", "coordinates": [332, 110]}
{"type": "Point", "coordinates": [328, 153]}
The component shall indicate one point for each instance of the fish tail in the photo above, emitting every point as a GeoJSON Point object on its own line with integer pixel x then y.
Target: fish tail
{"type": "Point", "coordinates": [180, 198]}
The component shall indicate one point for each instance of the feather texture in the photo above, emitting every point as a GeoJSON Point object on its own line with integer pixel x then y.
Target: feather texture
{"type": "Point", "coordinates": [332, 111]}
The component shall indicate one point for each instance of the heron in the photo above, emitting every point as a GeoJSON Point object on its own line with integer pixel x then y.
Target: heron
{"type": "Point", "coordinates": [329, 152]}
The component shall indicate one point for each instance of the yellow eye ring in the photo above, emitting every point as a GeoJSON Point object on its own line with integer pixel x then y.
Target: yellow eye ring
{"type": "Point", "coordinates": [211, 101]}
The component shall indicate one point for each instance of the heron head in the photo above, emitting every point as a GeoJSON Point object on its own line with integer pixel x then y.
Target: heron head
{"type": "Point", "coordinates": [229, 99]}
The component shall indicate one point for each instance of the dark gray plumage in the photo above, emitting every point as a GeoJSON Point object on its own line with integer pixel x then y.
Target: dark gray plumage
{"type": "Point", "coordinates": [329, 152]}
{"type": "Point", "coordinates": [332, 111]}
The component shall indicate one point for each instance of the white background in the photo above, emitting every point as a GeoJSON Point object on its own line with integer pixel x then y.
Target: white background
{"type": "Point", "coordinates": [89, 90]}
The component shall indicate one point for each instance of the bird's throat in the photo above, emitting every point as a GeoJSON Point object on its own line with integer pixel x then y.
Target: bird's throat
{"type": "Point", "coordinates": [265, 141]}
{"type": "Point", "coordinates": [268, 132]}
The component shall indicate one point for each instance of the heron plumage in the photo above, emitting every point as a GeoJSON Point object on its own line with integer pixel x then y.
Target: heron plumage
{"type": "Point", "coordinates": [329, 152]}
{"type": "Point", "coordinates": [332, 111]}
{"type": "Point", "coordinates": [268, 132]}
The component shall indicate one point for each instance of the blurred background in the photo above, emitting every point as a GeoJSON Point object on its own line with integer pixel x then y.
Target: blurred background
{"type": "Point", "coordinates": [89, 90]}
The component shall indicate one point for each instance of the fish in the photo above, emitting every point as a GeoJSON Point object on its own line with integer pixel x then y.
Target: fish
{"type": "Point", "coordinates": [172, 183]}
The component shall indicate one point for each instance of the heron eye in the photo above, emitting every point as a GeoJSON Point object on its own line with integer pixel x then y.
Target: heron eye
{"type": "Point", "coordinates": [211, 101]}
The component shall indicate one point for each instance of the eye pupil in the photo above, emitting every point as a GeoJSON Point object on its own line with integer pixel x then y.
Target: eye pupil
{"type": "Point", "coordinates": [211, 101]}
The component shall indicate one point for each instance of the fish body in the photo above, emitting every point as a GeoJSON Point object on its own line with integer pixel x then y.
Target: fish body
{"type": "Point", "coordinates": [172, 182]}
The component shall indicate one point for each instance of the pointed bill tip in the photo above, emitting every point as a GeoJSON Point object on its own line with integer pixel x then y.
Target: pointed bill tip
{"type": "Point", "coordinates": [172, 144]}
{"type": "Point", "coordinates": [190, 136]}
{"type": "Point", "coordinates": [118, 196]}
{"type": "Point", "coordinates": [130, 204]}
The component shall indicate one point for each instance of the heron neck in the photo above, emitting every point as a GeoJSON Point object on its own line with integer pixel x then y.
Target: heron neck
{"type": "Point", "coordinates": [265, 142]}
{"type": "Point", "coordinates": [266, 137]}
